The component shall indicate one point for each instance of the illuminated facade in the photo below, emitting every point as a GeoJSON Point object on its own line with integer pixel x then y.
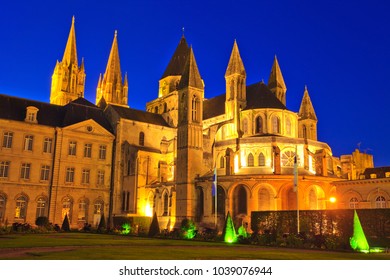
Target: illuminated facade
{"type": "Point", "coordinates": [162, 160]}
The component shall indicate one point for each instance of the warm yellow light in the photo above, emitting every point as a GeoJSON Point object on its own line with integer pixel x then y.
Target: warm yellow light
{"type": "Point", "coordinates": [243, 161]}
{"type": "Point", "coordinates": [236, 163]}
{"type": "Point", "coordinates": [148, 210]}
{"type": "Point", "coordinates": [332, 199]}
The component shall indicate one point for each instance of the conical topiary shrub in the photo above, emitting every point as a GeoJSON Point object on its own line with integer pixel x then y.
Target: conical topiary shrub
{"type": "Point", "coordinates": [229, 233]}
{"type": "Point", "coordinates": [154, 228]}
{"type": "Point", "coordinates": [65, 224]}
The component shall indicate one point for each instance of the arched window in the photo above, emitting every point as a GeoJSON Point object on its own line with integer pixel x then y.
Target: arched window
{"type": "Point", "coordinates": [220, 201]}
{"type": "Point", "coordinates": [250, 160]}
{"type": "Point", "coordinates": [67, 208]}
{"type": "Point", "coordinates": [195, 109]}
{"type": "Point", "coordinates": [165, 107]}
{"type": "Point", "coordinates": [141, 138]}
{"type": "Point", "coordinates": [98, 210]}
{"type": "Point", "coordinates": [304, 131]}
{"type": "Point", "coordinates": [222, 162]}
{"type": "Point", "coordinates": [245, 125]}
{"type": "Point", "coordinates": [261, 159]}
{"type": "Point", "coordinates": [288, 126]}
{"type": "Point", "coordinates": [313, 200]}
{"type": "Point", "coordinates": [21, 207]}
{"type": "Point", "coordinates": [82, 214]}
{"type": "Point", "coordinates": [259, 125]}
{"type": "Point", "coordinates": [41, 207]}
{"type": "Point", "coordinates": [353, 203]}
{"type": "Point", "coordinates": [165, 204]}
{"type": "Point", "coordinates": [2, 206]}
{"type": "Point", "coordinates": [156, 109]}
{"type": "Point", "coordinates": [380, 202]}
{"type": "Point", "coordinates": [275, 124]}
{"type": "Point", "coordinates": [240, 201]}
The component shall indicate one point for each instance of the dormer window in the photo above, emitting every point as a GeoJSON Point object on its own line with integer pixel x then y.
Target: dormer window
{"type": "Point", "coordinates": [31, 114]}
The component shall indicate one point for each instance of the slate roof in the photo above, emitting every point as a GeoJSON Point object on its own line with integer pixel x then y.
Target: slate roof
{"type": "Point", "coordinates": [140, 116]}
{"type": "Point", "coordinates": [257, 95]}
{"type": "Point", "coordinates": [379, 171]}
{"type": "Point", "coordinates": [14, 108]}
{"type": "Point", "coordinates": [178, 60]}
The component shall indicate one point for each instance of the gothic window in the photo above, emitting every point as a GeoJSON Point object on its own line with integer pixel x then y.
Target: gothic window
{"type": "Point", "coordinates": [275, 124]}
{"type": "Point", "coordinates": [25, 171]}
{"type": "Point", "coordinates": [165, 204]}
{"type": "Point", "coordinates": [250, 160]}
{"type": "Point", "coordinates": [222, 162]}
{"type": "Point", "coordinates": [41, 207]}
{"type": "Point", "coordinates": [240, 201]}
{"type": "Point", "coordinates": [261, 159]}
{"type": "Point", "coordinates": [353, 203]}
{"type": "Point", "coordinates": [2, 206]}
{"type": "Point", "coordinates": [380, 202]}
{"type": "Point", "coordinates": [87, 150]}
{"type": "Point", "coordinates": [245, 125]}
{"type": "Point", "coordinates": [304, 131]}
{"type": "Point", "coordinates": [4, 169]}
{"type": "Point", "coordinates": [259, 125]}
{"type": "Point", "coordinates": [28, 142]}
{"type": "Point", "coordinates": [45, 172]}
{"type": "Point", "coordinates": [287, 158]}
{"type": "Point", "coordinates": [98, 207]}
{"type": "Point", "coordinates": [7, 139]}
{"type": "Point", "coordinates": [195, 109]}
{"type": "Point", "coordinates": [21, 207]}
{"type": "Point", "coordinates": [141, 138]}
{"type": "Point", "coordinates": [165, 107]}
{"type": "Point", "coordinates": [47, 145]}
{"type": "Point", "coordinates": [288, 126]}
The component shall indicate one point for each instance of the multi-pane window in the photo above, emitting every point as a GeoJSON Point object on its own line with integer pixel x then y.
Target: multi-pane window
{"type": "Point", "coordinates": [7, 139]}
{"type": "Point", "coordinates": [2, 206]}
{"type": "Point", "coordinates": [31, 116]}
{"type": "Point", "coordinates": [288, 126]}
{"type": "Point", "coordinates": [288, 158]}
{"type": "Point", "coordinates": [72, 148]}
{"type": "Point", "coordinates": [100, 177]}
{"type": "Point", "coordinates": [353, 203]}
{"type": "Point", "coordinates": [85, 176]}
{"type": "Point", "coordinates": [28, 142]}
{"type": "Point", "coordinates": [250, 160]}
{"type": "Point", "coordinates": [87, 150]}
{"type": "Point", "coordinates": [259, 125]}
{"type": "Point", "coordinates": [102, 151]}
{"type": "Point", "coordinates": [82, 215]}
{"type": "Point", "coordinates": [45, 172]}
{"type": "Point", "coordinates": [98, 207]}
{"type": "Point", "coordinates": [25, 171]}
{"type": "Point", "coordinates": [4, 168]}
{"type": "Point", "coordinates": [275, 124]}
{"type": "Point", "coordinates": [21, 207]}
{"type": "Point", "coordinates": [47, 145]}
{"type": "Point", "coordinates": [41, 207]}
{"type": "Point", "coordinates": [69, 175]}
{"type": "Point", "coordinates": [261, 159]}
{"type": "Point", "coordinates": [380, 202]}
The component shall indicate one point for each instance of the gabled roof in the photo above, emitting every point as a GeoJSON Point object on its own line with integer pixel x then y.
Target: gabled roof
{"type": "Point", "coordinates": [178, 60]}
{"type": "Point", "coordinates": [257, 95]}
{"type": "Point", "coordinates": [140, 116]}
{"type": "Point", "coordinates": [14, 108]}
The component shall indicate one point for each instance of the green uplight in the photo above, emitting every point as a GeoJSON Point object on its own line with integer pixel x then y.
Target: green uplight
{"type": "Point", "coordinates": [242, 232]}
{"type": "Point", "coordinates": [358, 241]}
{"type": "Point", "coordinates": [229, 233]}
{"type": "Point", "coordinates": [126, 229]}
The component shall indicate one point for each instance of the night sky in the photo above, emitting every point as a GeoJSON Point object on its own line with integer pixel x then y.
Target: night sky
{"type": "Point", "coordinates": [339, 49]}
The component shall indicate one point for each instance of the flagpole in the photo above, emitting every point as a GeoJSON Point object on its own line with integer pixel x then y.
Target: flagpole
{"type": "Point", "coordinates": [296, 185]}
{"type": "Point", "coordinates": [215, 196]}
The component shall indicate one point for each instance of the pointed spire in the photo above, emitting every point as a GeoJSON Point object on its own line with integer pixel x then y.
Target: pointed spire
{"type": "Point", "coordinates": [125, 83]}
{"type": "Point", "coordinates": [235, 65]}
{"type": "Point", "coordinates": [178, 60]}
{"type": "Point", "coordinates": [191, 76]}
{"type": "Point", "coordinates": [70, 54]}
{"type": "Point", "coordinates": [276, 78]}
{"type": "Point", "coordinates": [306, 111]}
{"type": "Point", "coordinates": [113, 70]}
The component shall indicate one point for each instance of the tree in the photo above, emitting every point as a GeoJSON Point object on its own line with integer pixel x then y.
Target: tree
{"type": "Point", "coordinates": [65, 224]}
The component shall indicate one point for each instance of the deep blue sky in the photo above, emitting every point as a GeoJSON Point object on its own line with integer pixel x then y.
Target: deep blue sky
{"type": "Point", "coordinates": [339, 49]}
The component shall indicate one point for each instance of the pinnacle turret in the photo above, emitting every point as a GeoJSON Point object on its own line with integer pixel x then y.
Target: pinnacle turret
{"type": "Point", "coordinates": [235, 65]}
{"type": "Point", "coordinates": [191, 76]}
{"type": "Point", "coordinates": [276, 82]}
{"type": "Point", "coordinates": [306, 111]}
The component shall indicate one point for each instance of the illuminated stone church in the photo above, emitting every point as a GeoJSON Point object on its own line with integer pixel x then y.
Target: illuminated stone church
{"type": "Point", "coordinates": [163, 160]}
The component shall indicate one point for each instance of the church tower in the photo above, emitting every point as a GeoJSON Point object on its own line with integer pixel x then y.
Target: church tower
{"type": "Point", "coordinates": [307, 119]}
{"type": "Point", "coordinates": [276, 82]}
{"type": "Point", "coordinates": [68, 79]}
{"type": "Point", "coordinates": [235, 77]}
{"type": "Point", "coordinates": [190, 138]}
{"type": "Point", "coordinates": [110, 88]}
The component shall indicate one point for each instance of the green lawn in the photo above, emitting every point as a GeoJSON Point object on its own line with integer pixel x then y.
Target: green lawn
{"type": "Point", "coordinates": [86, 246]}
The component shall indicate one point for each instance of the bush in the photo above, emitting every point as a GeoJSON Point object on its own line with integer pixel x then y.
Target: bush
{"type": "Point", "coordinates": [42, 221]}
{"type": "Point", "coordinates": [65, 224]}
{"type": "Point", "coordinates": [154, 228]}
{"type": "Point", "coordinates": [188, 229]}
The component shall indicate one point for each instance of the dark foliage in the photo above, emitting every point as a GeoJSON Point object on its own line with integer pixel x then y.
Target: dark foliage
{"type": "Point", "coordinates": [154, 228]}
{"type": "Point", "coordinates": [65, 224]}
